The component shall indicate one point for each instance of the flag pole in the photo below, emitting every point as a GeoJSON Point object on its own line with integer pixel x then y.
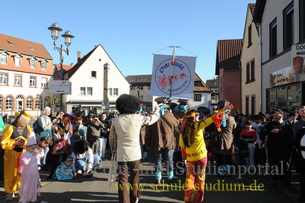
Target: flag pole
{"type": "Point", "coordinates": [172, 71]}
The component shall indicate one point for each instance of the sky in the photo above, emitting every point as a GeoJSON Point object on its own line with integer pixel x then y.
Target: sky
{"type": "Point", "coordinates": [131, 31]}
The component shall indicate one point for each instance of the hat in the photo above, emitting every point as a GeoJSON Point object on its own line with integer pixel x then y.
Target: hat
{"type": "Point", "coordinates": [31, 140]}
{"type": "Point", "coordinates": [160, 99]}
{"type": "Point", "coordinates": [221, 103]}
{"type": "Point", "coordinates": [25, 113]}
{"type": "Point", "coordinates": [279, 111]}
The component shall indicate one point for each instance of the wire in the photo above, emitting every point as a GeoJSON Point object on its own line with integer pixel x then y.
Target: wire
{"type": "Point", "coordinates": [160, 50]}
{"type": "Point", "coordinates": [188, 51]}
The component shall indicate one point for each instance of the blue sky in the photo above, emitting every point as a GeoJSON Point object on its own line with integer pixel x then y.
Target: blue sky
{"type": "Point", "coordinates": [131, 30]}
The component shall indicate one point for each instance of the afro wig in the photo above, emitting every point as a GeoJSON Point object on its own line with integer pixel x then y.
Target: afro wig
{"type": "Point", "coordinates": [80, 147]}
{"type": "Point", "coordinates": [127, 104]}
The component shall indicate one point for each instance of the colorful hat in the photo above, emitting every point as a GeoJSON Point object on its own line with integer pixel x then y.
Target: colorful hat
{"type": "Point", "coordinates": [31, 140]}
{"type": "Point", "coordinates": [25, 113]}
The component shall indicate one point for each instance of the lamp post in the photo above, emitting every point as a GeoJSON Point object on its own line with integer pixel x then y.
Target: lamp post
{"type": "Point", "coordinates": [55, 29]}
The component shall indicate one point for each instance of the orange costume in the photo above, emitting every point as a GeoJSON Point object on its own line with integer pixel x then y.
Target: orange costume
{"type": "Point", "coordinates": [11, 156]}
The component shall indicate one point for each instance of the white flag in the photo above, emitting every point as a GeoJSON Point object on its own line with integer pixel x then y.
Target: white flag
{"type": "Point", "coordinates": [183, 76]}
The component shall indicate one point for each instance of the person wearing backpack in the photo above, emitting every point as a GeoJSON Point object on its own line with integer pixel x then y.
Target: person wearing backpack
{"type": "Point", "coordinates": [45, 129]}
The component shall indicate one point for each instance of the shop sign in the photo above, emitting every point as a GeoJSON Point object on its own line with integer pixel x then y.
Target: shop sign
{"type": "Point", "coordinates": [298, 58]}
{"type": "Point", "coordinates": [283, 76]}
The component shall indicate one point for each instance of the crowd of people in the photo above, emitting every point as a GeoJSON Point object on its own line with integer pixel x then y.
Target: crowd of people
{"type": "Point", "coordinates": [72, 144]}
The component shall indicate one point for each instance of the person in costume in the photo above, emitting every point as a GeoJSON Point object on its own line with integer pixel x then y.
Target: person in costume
{"type": "Point", "coordinates": [62, 132]}
{"type": "Point", "coordinates": [224, 148]}
{"type": "Point", "coordinates": [65, 170]}
{"type": "Point", "coordinates": [13, 140]}
{"type": "Point", "coordinates": [124, 140]}
{"type": "Point", "coordinates": [28, 168]}
{"type": "Point", "coordinates": [194, 150]}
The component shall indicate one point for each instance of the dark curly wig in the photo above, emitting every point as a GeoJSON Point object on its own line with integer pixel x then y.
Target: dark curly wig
{"type": "Point", "coordinates": [127, 104]}
{"type": "Point", "coordinates": [80, 147]}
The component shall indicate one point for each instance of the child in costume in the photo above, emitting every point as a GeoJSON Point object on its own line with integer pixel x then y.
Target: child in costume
{"type": "Point", "coordinates": [65, 170]}
{"type": "Point", "coordinates": [194, 150]}
{"type": "Point", "coordinates": [12, 142]}
{"type": "Point", "coordinates": [28, 168]}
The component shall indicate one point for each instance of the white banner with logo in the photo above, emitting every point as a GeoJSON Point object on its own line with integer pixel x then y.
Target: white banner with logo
{"type": "Point", "coordinates": [183, 76]}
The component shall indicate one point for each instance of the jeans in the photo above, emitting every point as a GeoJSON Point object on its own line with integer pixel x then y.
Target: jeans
{"type": "Point", "coordinates": [82, 164]}
{"type": "Point", "coordinates": [167, 154]}
{"type": "Point", "coordinates": [44, 158]}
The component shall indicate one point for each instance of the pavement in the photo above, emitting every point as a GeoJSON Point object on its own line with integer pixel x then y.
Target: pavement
{"type": "Point", "coordinates": [97, 189]}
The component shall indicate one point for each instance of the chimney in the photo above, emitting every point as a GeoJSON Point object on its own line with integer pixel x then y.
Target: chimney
{"type": "Point", "coordinates": [78, 56]}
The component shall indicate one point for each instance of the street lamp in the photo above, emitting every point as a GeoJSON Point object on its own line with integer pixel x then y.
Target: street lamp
{"type": "Point", "coordinates": [55, 29]}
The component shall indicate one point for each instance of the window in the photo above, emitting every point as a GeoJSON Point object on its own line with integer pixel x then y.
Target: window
{"type": "Point", "coordinates": [43, 65]}
{"type": "Point", "coordinates": [3, 58]}
{"type": "Point", "coordinates": [273, 38]}
{"type": "Point", "coordinates": [288, 26]}
{"type": "Point", "coordinates": [1, 102]}
{"type": "Point", "coordinates": [93, 74]}
{"type": "Point", "coordinates": [250, 35]}
{"type": "Point", "coordinates": [247, 105]}
{"type": "Point", "coordinates": [44, 83]}
{"type": "Point", "coordinates": [247, 72]}
{"type": "Point", "coordinates": [32, 63]}
{"type": "Point", "coordinates": [17, 61]}
{"type": "Point", "coordinates": [38, 102]}
{"type": "Point", "coordinates": [197, 97]}
{"type": "Point", "coordinates": [110, 92]}
{"type": "Point", "coordinates": [17, 80]}
{"type": "Point", "coordinates": [32, 81]}
{"type": "Point", "coordinates": [252, 70]}
{"type": "Point", "coordinates": [253, 104]}
{"type": "Point", "coordinates": [115, 91]}
{"type": "Point", "coordinates": [198, 84]}
{"type": "Point", "coordinates": [9, 103]}
{"type": "Point", "coordinates": [82, 91]}
{"type": "Point", "coordinates": [3, 79]}
{"type": "Point", "coordinates": [302, 19]}
{"type": "Point", "coordinates": [89, 91]}
{"type": "Point", "coordinates": [29, 103]}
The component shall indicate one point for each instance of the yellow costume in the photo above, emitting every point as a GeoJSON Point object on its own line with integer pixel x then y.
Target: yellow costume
{"type": "Point", "coordinates": [11, 155]}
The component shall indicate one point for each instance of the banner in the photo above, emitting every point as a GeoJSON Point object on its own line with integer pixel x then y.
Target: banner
{"type": "Point", "coordinates": [183, 76]}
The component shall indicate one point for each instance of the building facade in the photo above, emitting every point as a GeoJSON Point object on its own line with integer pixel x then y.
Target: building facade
{"type": "Point", "coordinates": [96, 83]}
{"type": "Point", "coordinates": [250, 66]}
{"type": "Point", "coordinates": [229, 71]}
{"type": "Point", "coordinates": [282, 31]}
{"type": "Point", "coordinates": [26, 68]}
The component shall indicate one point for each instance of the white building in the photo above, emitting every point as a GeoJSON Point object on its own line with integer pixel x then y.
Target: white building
{"type": "Point", "coordinates": [282, 25]}
{"type": "Point", "coordinates": [25, 70]}
{"type": "Point", "coordinates": [89, 79]}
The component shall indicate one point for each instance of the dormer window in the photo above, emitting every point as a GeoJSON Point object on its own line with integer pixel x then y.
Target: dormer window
{"type": "Point", "coordinates": [33, 63]}
{"type": "Point", "coordinates": [3, 58]}
{"type": "Point", "coordinates": [10, 42]}
{"type": "Point", "coordinates": [30, 47]}
{"type": "Point", "coordinates": [17, 61]}
{"type": "Point", "coordinates": [43, 64]}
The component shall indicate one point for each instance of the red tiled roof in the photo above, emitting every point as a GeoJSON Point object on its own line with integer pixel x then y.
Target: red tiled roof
{"type": "Point", "coordinates": [17, 45]}
{"type": "Point", "coordinates": [228, 53]}
{"type": "Point", "coordinates": [65, 67]}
